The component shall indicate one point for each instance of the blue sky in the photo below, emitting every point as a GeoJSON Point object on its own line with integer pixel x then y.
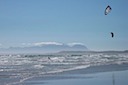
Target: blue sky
{"type": "Point", "coordinates": [64, 21]}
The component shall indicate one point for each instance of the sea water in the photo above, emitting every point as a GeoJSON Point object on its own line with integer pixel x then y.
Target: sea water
{"type": "Point", "coordinates": [103, 78]}
{"type": "Point", "coordinates": [17, 68]}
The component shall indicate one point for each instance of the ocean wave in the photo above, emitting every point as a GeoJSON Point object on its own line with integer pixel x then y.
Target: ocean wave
{"type": "Point", "coordinates": [24, 68]}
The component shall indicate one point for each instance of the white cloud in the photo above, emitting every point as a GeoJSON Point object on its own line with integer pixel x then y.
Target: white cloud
{"type": "Point", "coordinates": [47, 43]}
{"type": "Point", "coordinates": [41, 43]}
{"type": "Point", "coordinates": [72, 44]}
{"type": "Point", "coordinates": [50, 43]}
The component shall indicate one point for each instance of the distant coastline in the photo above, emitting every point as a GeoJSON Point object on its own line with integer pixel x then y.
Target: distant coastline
{"type": "Point", "coordinates": [125, 51]}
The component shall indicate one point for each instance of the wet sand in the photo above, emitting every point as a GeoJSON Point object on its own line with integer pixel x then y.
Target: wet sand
{"type": "Point", "coordinates": [96, 75]}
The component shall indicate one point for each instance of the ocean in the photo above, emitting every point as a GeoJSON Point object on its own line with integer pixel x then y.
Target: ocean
{"type": "Point", "coordinates": [102, 78]}
{"type": "Point", "coordinates": [64, 69]}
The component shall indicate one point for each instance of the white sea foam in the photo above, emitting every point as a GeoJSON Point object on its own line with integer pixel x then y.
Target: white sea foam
{"type": "Point", "coordinates": [69, 69]}
{"type": "Point", "coordinates": [38, 66]}
{"type": "Point", "coordinates": [28, 67]}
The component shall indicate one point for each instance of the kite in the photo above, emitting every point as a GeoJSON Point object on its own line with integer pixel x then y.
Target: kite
{"type": "Point", "coordinates": [107, 10]}
{"type": "Point", "coordinates": [112, 34]}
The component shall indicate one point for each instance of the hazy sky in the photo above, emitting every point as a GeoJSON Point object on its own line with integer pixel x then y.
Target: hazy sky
{"type": "Point", "coordinates": [64, 21]}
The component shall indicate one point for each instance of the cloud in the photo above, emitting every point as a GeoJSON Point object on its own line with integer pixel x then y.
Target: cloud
{"type": "Point", "coordinates": [50, 43]}
{"type": "Point", "coordinates": [47, 43]}
{"type": "Point", "coordinates": [72, 44]}
{"type": "Point", "coordinates": [41, 43]}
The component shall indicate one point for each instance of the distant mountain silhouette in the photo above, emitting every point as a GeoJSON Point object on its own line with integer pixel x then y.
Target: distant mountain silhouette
{"type": "Point", "coordinates": [49, 48]}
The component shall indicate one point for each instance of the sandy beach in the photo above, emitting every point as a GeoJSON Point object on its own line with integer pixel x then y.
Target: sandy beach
{"type": "Point", "coordinates": [97, 75]}
{"type": "Point", "coordinates": [103, 78]}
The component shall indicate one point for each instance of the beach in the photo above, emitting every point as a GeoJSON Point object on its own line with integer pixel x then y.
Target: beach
{"type": "Point", "coordinates": [63, 42]}
{"type": "Point", "coordinates": [90, 76]}
{"type": "Point", "coordinates": [63, 69]}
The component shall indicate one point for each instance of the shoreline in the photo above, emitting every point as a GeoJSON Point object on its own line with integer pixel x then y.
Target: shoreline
{"type": "Point", "coordinates": [100, 68]}
{"type": "Point", "coordinates": [70, 74]}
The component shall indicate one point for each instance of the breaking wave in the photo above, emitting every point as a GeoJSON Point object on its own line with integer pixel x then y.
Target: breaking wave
{"type": "Point", "coordinates": [16, 69]}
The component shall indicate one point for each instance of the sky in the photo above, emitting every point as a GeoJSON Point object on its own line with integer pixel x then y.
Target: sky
{"type": "Point", "coordinates": [64, 21]}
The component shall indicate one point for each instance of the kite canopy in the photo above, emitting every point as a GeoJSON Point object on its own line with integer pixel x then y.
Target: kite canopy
{"type": "Point", "coordinates": [112, 34]}
{"type": "Point", "coordinates": [107, 10]}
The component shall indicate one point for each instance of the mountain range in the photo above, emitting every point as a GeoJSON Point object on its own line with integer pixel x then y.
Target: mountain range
{"type": "Point", "coordinates": [49, 47]}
